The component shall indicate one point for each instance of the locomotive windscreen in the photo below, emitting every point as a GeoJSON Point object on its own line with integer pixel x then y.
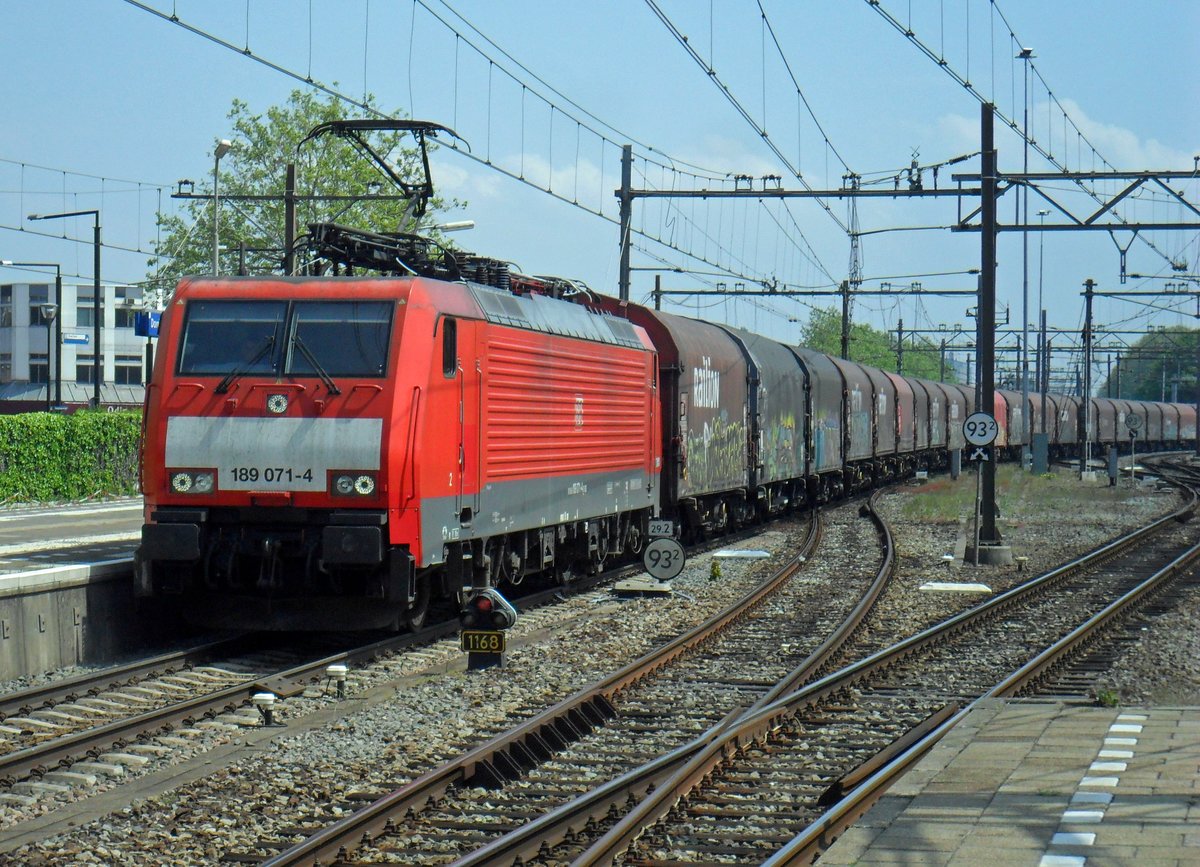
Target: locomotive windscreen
{"type": "Point", "coordinates": [345, 338]}
{"type": "Point", "coordinates": [221, 336]}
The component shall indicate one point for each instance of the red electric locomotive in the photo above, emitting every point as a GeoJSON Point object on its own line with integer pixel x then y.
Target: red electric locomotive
{"type": "Point", "coordinates": [331, 452]}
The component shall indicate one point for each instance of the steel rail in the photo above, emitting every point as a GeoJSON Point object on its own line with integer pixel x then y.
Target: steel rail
{"type": "Point", "coordinates": [754, 727]}
{"type": "Point", "coordinates": [61, 751]}
{"type": "Point", "coordinates": [47, 695]}
{"type": "Point", "coordinates": [821, 834]}
{"type": "Point", "coordinates": [528, 840]}
{"type": "Point", "coordinates": [534, 740]}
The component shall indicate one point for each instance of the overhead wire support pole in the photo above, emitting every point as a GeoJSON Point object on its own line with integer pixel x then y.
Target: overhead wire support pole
{"type": "Point", "coordinates": [986, 323]}
{"type": "Point", "coordinates": [845, 293]}
{"type": "Point", "coordinates": [1089, 286]}
{"type": "Point", "coordinates": [626, 197]}
{"type": "Point", "coordinates": [1026, 410]}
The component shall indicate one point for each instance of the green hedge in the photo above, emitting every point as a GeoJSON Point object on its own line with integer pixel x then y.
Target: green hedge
{"type": "Point", "coordinates": [45, 456]}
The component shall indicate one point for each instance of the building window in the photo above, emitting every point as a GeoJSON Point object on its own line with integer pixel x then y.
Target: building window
{"type": "Point", "coordinates": [39, 367]}
{"type": "Point", "coordinates": [128, 370]}
{"type": "Point", "coordinates": [84, 368]}
{"type": "Point", "coordinates": [6, 365]}
{"type": "Point", "coordinates": [84, 312]}
{"type": "Point", "coordinates": [38, 295]}
{"type": "Point", "coordinates": [128, 300]}
{"type": "Point", "coordinates": [6, 307]}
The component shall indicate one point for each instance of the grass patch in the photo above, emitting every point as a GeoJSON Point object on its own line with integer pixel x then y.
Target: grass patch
{"type": "Point", "coordinates": [1018, 494]}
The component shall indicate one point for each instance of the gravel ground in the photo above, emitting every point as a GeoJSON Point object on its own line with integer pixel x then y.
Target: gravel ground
{"type": "Point", "coordinates": [1052, 523]}
{"type": "Point", "coordinates": [1162, 668]}
{"type": "Point", "coordinates": [410, 729]}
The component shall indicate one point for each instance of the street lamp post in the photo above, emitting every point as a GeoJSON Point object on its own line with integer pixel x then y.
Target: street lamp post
{"type": "Point", "coordinates": [58, 321]}
{"type": "Point", "coordinates": [97, 312]}
{"type": "Point", "coordinates": [49, 313]}
{"type": "Point", "coordinates": [223, 147]}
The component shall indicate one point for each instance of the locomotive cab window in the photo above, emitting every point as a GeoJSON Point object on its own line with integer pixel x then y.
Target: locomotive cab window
{"type": "Point", "coordinates": [449, 347]}
{"type": "Point", "coordinates": [339, 338]}
{"type": "Point", "coordinates": [224, 336]}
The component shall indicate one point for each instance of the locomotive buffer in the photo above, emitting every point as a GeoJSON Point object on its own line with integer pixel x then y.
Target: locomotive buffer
{"type": "Point", "coordinates": [663, 560]}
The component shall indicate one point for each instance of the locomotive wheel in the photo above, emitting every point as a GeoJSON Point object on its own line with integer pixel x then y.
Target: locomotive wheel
{"type": "Point", "coordinates": [414, 618]}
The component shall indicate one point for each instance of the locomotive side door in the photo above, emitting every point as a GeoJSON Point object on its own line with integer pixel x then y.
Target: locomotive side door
{"type": "Point", "coordinates": [469, 443]}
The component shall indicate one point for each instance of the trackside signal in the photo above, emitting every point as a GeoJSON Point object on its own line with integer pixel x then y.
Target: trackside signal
{"type": "Point", "coordinates": [484, 618]}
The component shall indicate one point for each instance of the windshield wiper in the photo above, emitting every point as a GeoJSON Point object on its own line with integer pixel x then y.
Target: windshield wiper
{"type": "Point", "coordinates": [316, 365]}
{"type": "Point", "coordinates": [243, 369]}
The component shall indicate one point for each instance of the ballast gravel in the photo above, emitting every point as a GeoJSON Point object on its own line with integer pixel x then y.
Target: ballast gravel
{"type": "Point", "coordinates": [410, 722]}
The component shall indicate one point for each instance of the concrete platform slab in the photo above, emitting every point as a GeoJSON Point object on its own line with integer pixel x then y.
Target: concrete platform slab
{"type": "Point", "coordinates": [1046, 784]}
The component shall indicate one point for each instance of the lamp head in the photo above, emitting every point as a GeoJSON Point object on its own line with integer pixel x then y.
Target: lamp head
{"type": "Point", "coordinates": [224, 146]}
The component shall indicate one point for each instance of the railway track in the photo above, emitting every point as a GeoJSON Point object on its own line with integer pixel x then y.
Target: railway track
{"type": "Point", "coordinates": [658, 705]}
{"type": "Point", "coordinates": [812, 760]}
{"type": "Point", "coordinates": [68, 733]}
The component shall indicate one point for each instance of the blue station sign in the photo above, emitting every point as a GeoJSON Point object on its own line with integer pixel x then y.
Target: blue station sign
{"type": "Point", "coordinates": [145, 323]}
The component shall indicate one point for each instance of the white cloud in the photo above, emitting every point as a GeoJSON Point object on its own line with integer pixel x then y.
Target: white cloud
{"type": "Point", "coordinates": [452, 179]}
{"type": "Point", "coordinates": [723, 154]}
{"type": "Point", "coordinates": [1122, 147]}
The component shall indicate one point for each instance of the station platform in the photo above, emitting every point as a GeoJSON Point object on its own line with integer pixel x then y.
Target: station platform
{"type": "Point", "coordinates": [1046, 784]}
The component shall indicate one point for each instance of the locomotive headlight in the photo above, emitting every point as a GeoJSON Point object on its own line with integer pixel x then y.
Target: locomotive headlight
{"type": "Point", "coordinates": [354, 483]}
{"type": "Point", "coordinates": [193, 482]}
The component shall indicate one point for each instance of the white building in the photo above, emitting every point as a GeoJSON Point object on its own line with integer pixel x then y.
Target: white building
{"type": "Point", "coordinates": [27, 346]}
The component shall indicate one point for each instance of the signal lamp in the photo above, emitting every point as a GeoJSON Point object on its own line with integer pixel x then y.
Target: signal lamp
{"type": "Point", "coordinates": [488, 610]}
{"type": "Point", "coordinates": [344, 485]}
{"type": "Point", "coordinates": [364, 485]}
{"type": "Point", "coordinates": [181, 483]}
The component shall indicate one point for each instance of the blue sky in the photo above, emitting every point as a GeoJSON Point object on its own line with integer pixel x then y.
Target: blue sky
{"type": "Point", "coordinates": [109, 90]}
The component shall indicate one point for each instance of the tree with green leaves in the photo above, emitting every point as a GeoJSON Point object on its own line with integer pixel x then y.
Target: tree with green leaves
{"type": "Point", "coordinates": [823, 332]}
{"type": "Point", "coordinates": [1150, 368]}
{"type": "Point", "coordinates": [263, 145]}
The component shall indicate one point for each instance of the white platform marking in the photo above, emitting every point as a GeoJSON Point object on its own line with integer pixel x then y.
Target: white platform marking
{"type": "Point", "coordinates": [1063, 838]}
